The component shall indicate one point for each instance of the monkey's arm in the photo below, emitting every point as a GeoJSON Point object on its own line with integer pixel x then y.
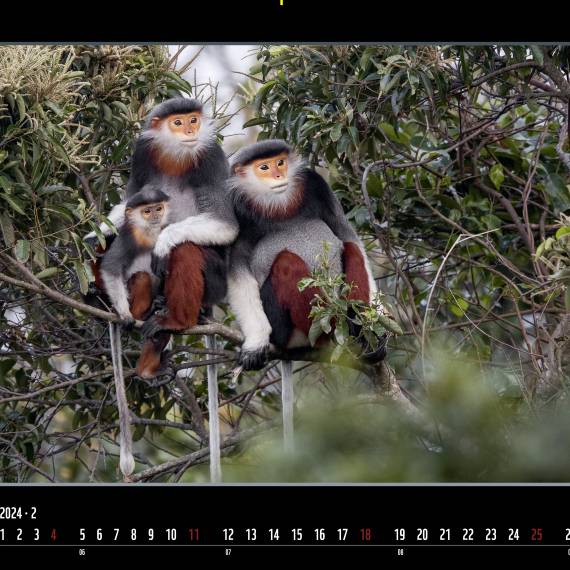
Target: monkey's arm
{"type": "Point", "coordinates": [112, 274]}
{"type": "Point", "coordinates": [245, 301]}
{"type": "Point", "coordinates": [215, 226]}
{"type": "Point", "coordinates": [335, 218]}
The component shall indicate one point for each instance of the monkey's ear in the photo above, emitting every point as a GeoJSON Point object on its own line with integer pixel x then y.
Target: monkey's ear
{"type": "Point", "coordinates": [128, 211]}
{"type": "Point", "coordinates": [154, 122]}
{"type": "Point", "coordinates": [241, 170]}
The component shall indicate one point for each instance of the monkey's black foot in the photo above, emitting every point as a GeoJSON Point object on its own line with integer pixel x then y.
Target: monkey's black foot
{"type": "Point", "coordinates": [92, 289]}
{"type": "Point", "coordinates": [128, 324]}
{"type": "Point", "coordinates": [373, 356]}
{"type": "Point", "coordinates": [158, 305]}
{"type": "Point", "coordinates": [159, 266]}
{"type": "Point", "coordinates": [205, 315]}
{"type": "Point", "coordinates": [151, 327]}
{"type": "Point", "coordinates": [254, 359]}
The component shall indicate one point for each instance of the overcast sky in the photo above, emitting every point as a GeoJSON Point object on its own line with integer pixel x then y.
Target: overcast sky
{"type": "Point", "coordinates": [218, 64]}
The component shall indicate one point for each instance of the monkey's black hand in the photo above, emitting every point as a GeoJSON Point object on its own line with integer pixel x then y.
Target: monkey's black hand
{"type": "Point", "coordinates": [151, 327]}
{"type": "Point", "coordinates": [95, 244]}
{"type": "Point", "coordinates": [159, 266]}
{"type": "Point", "coordinates": [91, 241]}
{"type": "Point", "coordinates": [254, 359]}
{"type": "Point", "coordinates": [376, 355]}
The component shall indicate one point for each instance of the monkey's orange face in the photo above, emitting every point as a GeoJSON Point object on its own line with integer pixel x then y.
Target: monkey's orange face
{"type": "Point", "coordinates": [152, 214]}
{"type": "Point", "coordinates": [185, 127]}
{"type": "Point", "coordinates": [272, 171]}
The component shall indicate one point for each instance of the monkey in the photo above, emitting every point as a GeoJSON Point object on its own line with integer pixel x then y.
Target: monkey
{"type": "Point", "coordinates": [130, 285]}
{"type": "Point", "coordinates": [177, 151]}
{"type": "Point", "coordinates": [126, 267]}
{"type": "Point", "coordinates": [285, 212]}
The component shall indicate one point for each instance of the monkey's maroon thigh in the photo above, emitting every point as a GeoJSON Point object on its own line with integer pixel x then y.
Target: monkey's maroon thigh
{"type": "Point", "coordinates": [286, 272]}
{"type": "Point", "coordinates": [354, 267]}
{"type": "Point", "coordinates": [140, 294]}
{"type": "Point", "coordinates": [184, 286]}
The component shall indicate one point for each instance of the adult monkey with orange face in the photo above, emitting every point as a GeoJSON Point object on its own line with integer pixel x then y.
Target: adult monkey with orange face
{"type": "Point", "coordinates": [285, 212]}
{"type": "Point", "coordinates": [178, 153]}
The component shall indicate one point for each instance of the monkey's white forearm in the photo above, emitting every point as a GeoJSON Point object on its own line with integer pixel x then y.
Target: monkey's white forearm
{"type": "Point", "coordinates": [243, 295]}
{"type": "Point", "coordinates": [116, 217]}
{"type": "Point", "coordinates": [203, 229]}
{"type": "Point", "coordinates": [117, 292]}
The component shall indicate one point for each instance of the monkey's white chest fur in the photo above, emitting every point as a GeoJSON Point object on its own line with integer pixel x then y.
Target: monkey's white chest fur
{"type": "Point", "coordinates": [182, 201]}
{"type": "Point", "coordinates": [140, 263]}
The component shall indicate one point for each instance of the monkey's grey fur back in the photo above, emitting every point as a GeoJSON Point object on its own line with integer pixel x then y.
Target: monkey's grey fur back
{"type": "Point", "coordinates": [306, 241]}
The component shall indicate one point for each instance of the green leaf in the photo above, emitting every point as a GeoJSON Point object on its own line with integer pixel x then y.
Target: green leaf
{"type": "Point", "coordinates": [16, 203]}
{"type": "Point", "coordinates": [458, 305]}
{"type": "Point", "coordinates": [22, 250]}
{"type": "Point", "coordinates": [7, 229]}
{"type": "Point", "coordinates": [305, 282]}
{"type": "Point", "coordinates": [61, 211]}
{"type": "Point", "coordinates": [256, 121]}
{"type": "Point", "coordinates": [325, 323]}
{"type": "Point", "coordinates": [48, 272]}
{"type": "Point", "coordinates": [390, 324]}
{"type": "Point", "coordinates": [557, 189]}
{"type": "Point", "coordinates": [262, 93]}
{"type": "Point", "coordinates": [497, 175]}
{"type": "Point", "coordinates": [341, 332]}
{"type": "Point", "coordinates": [21, 106]}
{"type": "Point", "coordinates": [109, 223]}
{"type": "Point", "coordinates": [562, 232]}
{"type": "Point", "coordinates": [315, 332]}
{"type": "Point", "coordinates": [337, 352]}
{"type": "Point", "coordinates": [336, 132]}
{"type": "Point", "coordinates": [81, 276]}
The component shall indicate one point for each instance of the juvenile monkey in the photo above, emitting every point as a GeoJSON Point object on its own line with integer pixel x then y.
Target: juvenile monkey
{"type": "Point", "coordinates": [126, 268]}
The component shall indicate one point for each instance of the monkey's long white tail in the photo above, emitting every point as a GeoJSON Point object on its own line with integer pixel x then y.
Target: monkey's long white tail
{"type": "Point", "coordinates": [287, 399]}
{"type": "Point", "coordinates": [127, 461]}
{"type": "Point", "coordinates": [214, 423]}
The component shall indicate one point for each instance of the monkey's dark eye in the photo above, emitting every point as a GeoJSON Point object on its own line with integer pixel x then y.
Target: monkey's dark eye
{"type": "Point", "coordinates": [178, 122]}
{"type": "Point", "coordinates": [159, 209]}
{"type": "Point", "coordinates": [264, 167]}
{"type": "Point", "coordinates": [193, 120]}
{"type": "Point", "coordinates": [281, 162]}
{"type": "Point", "coordinates": [147, 210]}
